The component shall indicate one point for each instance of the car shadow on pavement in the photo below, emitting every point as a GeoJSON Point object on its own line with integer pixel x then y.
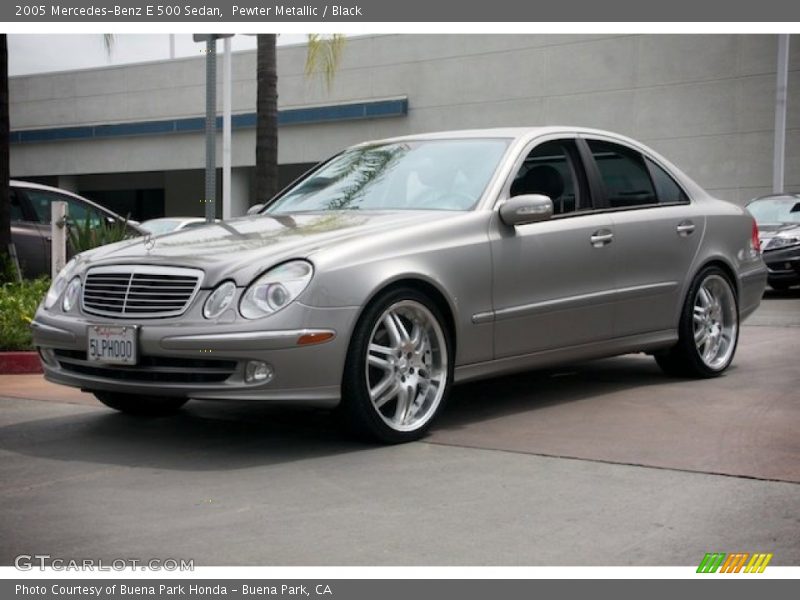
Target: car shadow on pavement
{"type": "Point", "coordinates": [205, 436]}
{"type": "Point", "coordinates": [536, 390]}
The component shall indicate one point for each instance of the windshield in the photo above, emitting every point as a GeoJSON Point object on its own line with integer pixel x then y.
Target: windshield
{"type": "Point", "coordinates": [417, 175]}
{"type": "Point", "coordinates": [780, 209]}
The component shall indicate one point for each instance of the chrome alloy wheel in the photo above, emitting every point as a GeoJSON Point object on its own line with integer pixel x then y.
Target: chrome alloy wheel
{"type": "Point", "coordinates": [716, 322]}
{"type": "Point", "coordinates": [406, 365]}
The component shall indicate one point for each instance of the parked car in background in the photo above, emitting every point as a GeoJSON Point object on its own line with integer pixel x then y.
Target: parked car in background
{"type": "Point", "coordinates": [30, 222]}
{"type": "Point", "coordinates": [167, 224]}
{"type": "Point", "coordinates": [778, 218]}
{"type": "Point", "coordinates": [400, 267]}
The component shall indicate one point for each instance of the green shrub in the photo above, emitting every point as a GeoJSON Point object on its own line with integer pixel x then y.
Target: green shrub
{"type": "Point", "coordinates": [18, 302]}
{"type": "Point", "coordinates": [7, 270]}
{"type": "Point", "coordinates": [91, 233]}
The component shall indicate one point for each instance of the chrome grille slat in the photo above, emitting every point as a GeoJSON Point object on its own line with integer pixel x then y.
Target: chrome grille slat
{"type": "Point", "coordinates": [139, 291]}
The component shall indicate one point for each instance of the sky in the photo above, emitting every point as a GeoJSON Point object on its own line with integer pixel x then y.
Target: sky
{"type": "Point", "coordinates": [41, 53]}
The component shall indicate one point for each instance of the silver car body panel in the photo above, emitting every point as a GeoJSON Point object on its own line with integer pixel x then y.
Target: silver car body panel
{"type": "Point", "coordinates": [516, 298]}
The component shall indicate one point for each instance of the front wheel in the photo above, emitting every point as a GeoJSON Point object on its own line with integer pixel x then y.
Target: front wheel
{"type": "Point", "coordinates": [144, 406]}
{"type": "Point", "coordinates": [708, 330]}
{"type": "Point", "coordinates": [399, 368]}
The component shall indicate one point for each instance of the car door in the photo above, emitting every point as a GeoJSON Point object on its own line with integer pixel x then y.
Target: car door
{"type": "Point", "coordinates": [26, 233]}
{"type": "Point", "coordinates": [657, 232]}
{"type": "Point", "coordinates": [552, 279]}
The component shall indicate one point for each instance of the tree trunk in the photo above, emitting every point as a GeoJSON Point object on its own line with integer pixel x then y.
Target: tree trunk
{"type": "Point", "coordinates": [5, 200]}
{"type": "Point", "coordinates": [267, 119]}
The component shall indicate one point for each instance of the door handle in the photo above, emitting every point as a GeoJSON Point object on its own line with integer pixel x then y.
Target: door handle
{"type": "Point", "coordinates": [601, 237]}
{"type": "Point", "coordinates": [685, 228]}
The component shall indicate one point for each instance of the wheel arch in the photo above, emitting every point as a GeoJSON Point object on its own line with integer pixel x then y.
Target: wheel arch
{"type": "Point", "coordinates": [725, 267]}
{"type": "Point", "coordinates": [425, 286]}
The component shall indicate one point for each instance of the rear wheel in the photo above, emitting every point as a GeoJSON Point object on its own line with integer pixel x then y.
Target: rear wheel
{"type": "Point", "coordinates": [708, 329]}
{"type": "Point", "coordinates": [145, 406]}
{"type": "Point", "coordinates": [399, 368]}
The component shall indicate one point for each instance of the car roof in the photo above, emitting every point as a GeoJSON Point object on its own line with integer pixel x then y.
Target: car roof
{"type": "Point", "coordinates": [48, 188]}
{"type": "Point", "coordinates": [505, 132]}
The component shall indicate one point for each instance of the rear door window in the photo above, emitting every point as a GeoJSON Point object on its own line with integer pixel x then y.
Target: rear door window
{"type": "Point", "coordinates": [668, 190]}
{"type": "Point", "coordinates": [624, 174]}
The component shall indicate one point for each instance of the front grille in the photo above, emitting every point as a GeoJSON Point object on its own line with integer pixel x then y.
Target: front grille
{"type": "Point", "coordinates": [150, 369]}
{"type": "Point", "coordinates": [131, 291]}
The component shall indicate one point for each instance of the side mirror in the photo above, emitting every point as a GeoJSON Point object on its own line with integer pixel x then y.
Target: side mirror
{"type": "Point", "coordinates": [255, 209]}
{"type": "Point", "coordinates": [528, 208]}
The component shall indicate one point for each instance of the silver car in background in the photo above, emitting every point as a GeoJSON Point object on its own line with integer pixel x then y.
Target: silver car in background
{"type": "Point", "coordinates": [400, 267]}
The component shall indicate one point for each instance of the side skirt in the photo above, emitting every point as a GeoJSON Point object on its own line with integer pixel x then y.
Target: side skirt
{"type": "Point", "coordinates": [648, 342]}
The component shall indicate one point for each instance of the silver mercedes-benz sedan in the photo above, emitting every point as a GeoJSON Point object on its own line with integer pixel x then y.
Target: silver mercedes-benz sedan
{"type": "Point", "coordinates": [400, 267]}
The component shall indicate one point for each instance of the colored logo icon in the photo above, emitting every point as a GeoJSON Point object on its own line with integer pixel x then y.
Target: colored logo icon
{"type": "Point", "coordinates": [739, 562]}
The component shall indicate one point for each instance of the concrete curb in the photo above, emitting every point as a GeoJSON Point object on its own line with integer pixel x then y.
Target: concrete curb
{"type": "Point", "coordinates": [19, 362]}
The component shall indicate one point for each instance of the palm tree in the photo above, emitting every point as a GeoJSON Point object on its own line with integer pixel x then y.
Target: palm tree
{"type": "Point", "coordinates": [5, 195]}
{"type": "Point", "coordinates": [266, 117]}
{"type": "Point", "coordinates": [323, 57]}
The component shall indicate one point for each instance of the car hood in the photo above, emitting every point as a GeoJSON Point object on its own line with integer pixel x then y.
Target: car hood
{"type": "Point", "coordinates": [242, 248]}
{"type": "Point", "coordinates": [775, 228]}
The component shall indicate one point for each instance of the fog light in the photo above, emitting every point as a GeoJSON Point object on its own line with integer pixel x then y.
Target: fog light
{"type": "Point", "coordinates": [47, 356]}
{"type": "Point", "coordinates": [257, 371]}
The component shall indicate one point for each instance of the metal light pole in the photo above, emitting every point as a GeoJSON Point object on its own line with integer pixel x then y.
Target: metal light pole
{"type": "Point", "coordinates": [226, 131]}
{"type": "Point", "coordinates": [209, 200]}
{"type": "Point", "coordinates": [211, 129]}
{"type": "Point", "coordinates": [779, 154]}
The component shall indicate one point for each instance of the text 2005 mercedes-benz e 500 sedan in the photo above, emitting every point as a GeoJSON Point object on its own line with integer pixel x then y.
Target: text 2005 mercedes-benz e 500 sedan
{"type": "Point", "coordinates": [400, 267]}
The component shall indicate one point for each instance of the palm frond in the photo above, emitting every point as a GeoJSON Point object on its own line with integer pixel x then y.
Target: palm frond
{"type": "Point", "coordinates": [324, 56]}
{"type": "Point", "coordinates": [108, 43]}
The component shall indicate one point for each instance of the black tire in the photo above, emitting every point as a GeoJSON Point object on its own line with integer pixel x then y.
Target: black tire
{"type": "Point", "coordinates": [361, 416]}
{"type": "Point", "coordinates": [142, 406]}
{"type": "Point", "coordinates": [684, 359]}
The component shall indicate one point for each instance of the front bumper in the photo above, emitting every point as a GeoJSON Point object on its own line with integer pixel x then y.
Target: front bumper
{"type": "Point", "coordinates": [195, 358]}
{"type": "Point", "coordinates": [751, 289]}
{"type": "Point", "coordinates": [783, 265]}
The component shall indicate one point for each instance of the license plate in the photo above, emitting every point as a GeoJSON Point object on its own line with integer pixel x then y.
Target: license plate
{"type": "Point", "coordinates": [111, 344]}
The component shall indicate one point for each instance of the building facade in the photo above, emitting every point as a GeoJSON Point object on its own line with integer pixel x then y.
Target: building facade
{"type": "Point", "coordinates": [131, 137]}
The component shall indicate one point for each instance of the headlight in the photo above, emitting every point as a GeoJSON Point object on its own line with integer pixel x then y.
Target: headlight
{"type": "Point", "coordinates": [275, 289]}
{"type": "Point", "coordinates": [71, 295]}
{"type": "Point", "coordinates": [58, 285]}
{"type": "Point", "coordinates": [219, 300]}
{"type": "Point", "coordinates": [780, 241]}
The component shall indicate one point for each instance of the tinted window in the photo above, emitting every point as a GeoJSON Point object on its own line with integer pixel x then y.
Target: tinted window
{"type": "Point", "coordinates": [549, 169]}
{"type": "Point", "coordinates": [17, 214]}
{"type": "Point", "coordinates": [624, 174]}
{"type": "Point", "coordinates": [40, 201]}
{"type": "Point", "coordinates": [669, 192]}
{"type": "Point", "coordinates": [77, 211]}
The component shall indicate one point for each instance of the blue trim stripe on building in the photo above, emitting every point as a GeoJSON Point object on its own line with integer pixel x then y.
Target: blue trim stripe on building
{"type": "Point", "coordinates": [396, 107]}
